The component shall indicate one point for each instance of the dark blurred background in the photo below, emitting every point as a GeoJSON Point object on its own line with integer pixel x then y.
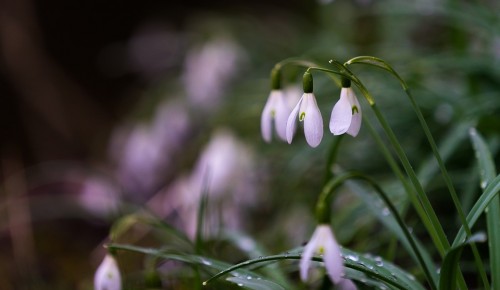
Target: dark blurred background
{"type": "Point", "coordinates": [111, 106]}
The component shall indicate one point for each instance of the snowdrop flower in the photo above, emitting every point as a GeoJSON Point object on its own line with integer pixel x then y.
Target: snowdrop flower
{"type": "Point", "coordinates": [346, 114]}
{"type": "Point", "coordinates": [275, 109]}
{"type": "Point", "coordinates": [107, 276]}
{"type": "Point", "coordinates": [323, 243]}
{"type": "Point", "coordinates": [226, 169]}
{"type": "Point", "coordinates": [346, 284]}
{"type": "Point", "coordinates": [307, 111]}
{"type": "Point", "coordinates": [208, 70]}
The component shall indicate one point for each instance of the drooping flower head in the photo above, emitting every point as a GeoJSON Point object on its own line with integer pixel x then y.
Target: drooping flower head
{"type": "Point", "coordinates": [275, 109]}
{"type": "Point", "coordinates": [346, 114]}
{"type": "Point", "coordinates": [323, 243]}
{"type": "Point", "coordinates": [306, 111]}
{"type": "Point", "coordinates": [107, 276]}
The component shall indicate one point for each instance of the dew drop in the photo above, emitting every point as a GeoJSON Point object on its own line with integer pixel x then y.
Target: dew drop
{"type": "Point", "coordinates": [206, 262]}
{"type": "Point", "coordinates": [240, 284]}
{"type": "Point", "coordinates": [353, 258]}
{"type": "Point", "coordinates": [385, 211]}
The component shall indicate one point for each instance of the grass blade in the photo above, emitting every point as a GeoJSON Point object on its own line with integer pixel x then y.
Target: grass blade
{"type": "Point", "coordinates": [479, 207]}
{"type": "Point", "coordinates": [487, 173]}
{"type": "Point", "coordinates": [449, 269]}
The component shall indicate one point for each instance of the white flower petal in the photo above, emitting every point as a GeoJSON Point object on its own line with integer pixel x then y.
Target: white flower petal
{"type": "Point", "coordinates": [292, 119]}
{"type": "Point", "coordinates": [332, 258]}
{"type": "Point", "coordinates": [266, 119]}
{"type": "Point", "coordinates": [107, 275]}
{"type": "Point", "coordinates": [341, 114]}
{"type": "Point", "coordinates": [305, 260]}
{"type": "Point", "coordinates": [346, 284]}
{"type": "Point", "coordinates": [357, 116]}
{"type": "Point", "coordinates": [282, 112]}
{"type": "Point", "coordinates": [313, 123]}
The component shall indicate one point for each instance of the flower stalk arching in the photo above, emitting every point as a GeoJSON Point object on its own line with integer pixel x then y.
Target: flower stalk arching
{"type": "Point", "coordinates": [422, 202]}
{"type": "Point", "coordinates": [323, 213]}
{"type": "Point", "coordinates": [380, 63]}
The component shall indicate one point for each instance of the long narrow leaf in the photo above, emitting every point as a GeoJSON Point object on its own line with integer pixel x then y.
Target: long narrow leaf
{"type": "Point", "coordinates": [484, 200]}
{"type": "Point", "coordinates": [449, 269]}
{"type": "Point", "coordinates": [487, 173]}
{"type": "Point", "coordinates": [374, 267]}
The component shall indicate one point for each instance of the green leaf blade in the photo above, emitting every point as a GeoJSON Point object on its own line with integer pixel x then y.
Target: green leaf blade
{"type": "Point", "coordinates": [487, 174]}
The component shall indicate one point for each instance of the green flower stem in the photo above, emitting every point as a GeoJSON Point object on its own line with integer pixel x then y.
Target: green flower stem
{"type": "Point", "coordinates": [323, 208]}
{"type": "Point", "coordinates": [435, 228]}
{"type": "Point", "coordinates": [427, 213]}
{"type": "Point", "coordinates": [332, 156]}
{"type": "Point", "coordinates": [444, 172]}
{"type": "Point", "coordinates": [429, 219]}
{"type": "Point", "coordinates": [294, 61]}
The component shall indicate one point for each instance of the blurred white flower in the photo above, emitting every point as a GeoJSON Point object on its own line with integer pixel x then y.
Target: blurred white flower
{"type": "Point", "coordinates": [208, 70]}
{"type": "Point", "coordinates": [292, 95]}
{"type": "Point", "coordinates": [275, 109]}
{"type": "Point", "coordinates": [107, 275]}
{"type": "Point", "coordinates": [346, 114]}
{"type": "Point", "coordinates": [346, 284]}
{"type": "Point", "coordinates": [225, 168]}
{"type": "Point", "coordinates": [144, 151]}
{"type": "Point", "coordinates": [99, 196]}
{"type": "Point", "coordinates": [140, 159]}
{"type": "Point", "coordinates": [306, 110]}
{"type": "Point", "coordinates": [323, 243]}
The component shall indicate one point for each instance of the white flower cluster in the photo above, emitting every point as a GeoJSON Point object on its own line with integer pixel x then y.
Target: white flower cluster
{"type": "Point", "coordinates": [345, 118]}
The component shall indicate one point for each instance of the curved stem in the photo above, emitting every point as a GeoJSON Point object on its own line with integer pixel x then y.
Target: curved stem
{"type": "Point", "coordinates": [377, 62]}
{"type": "Point", "coordinates": [294, 61]}
{"type": "Point", "coordinates": [332, 156]}
{"type": "Point", "coordinates": [337, 182]}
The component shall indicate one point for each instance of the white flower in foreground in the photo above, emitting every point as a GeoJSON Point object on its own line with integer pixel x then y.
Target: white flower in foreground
{"type": "Point", "coordinates": [323, 243]}
{"type": "Point", "coordinates": [346, 284]}
{"type": "Point", "coordinates": [107, 276]}
{"type": "Point", "coordinates": [307, 111]}
{"type": "Point", "coordinates": [275, 109]}
{"type": "Point", "coordinates": [346, 114]}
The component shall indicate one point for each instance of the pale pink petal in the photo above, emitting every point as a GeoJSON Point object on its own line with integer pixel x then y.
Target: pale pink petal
{"type": "Point", "coordinates": [356, 114]}
{"type": "Point", "coordinates": [313, 122]}
{"type": "Point", "coordinates": [341, 114]}
{"type": "Point", "coordinates": [305, 260]}
{"type": "Point", "coordinates": [282, 112]}
{"type": "Point", "coordinates": [266, 119]}
{"type": "Point", "coordinates": [107, 275]}
{"type": "Point", "coordinates": [332, 258]}
{"type": "Point", "coordinates": [346, 284]}
{"type": "Point", "coordinates": [292, 119]}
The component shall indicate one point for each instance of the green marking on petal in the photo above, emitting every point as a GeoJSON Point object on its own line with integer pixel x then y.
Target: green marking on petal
{"type": "Point", "coordinates": [321, 250]}
{"type": "Point", "coordinates": [273, 113]}
{"type": "Point", "coordinates": [355, 110]}
{"type": "Point", "coordinates": [302, 116]}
